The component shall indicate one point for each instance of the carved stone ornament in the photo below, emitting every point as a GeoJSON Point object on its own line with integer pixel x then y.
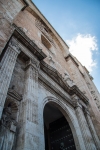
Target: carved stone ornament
{"type": "Point", "coordinates": [68, 80]}
{"type": "Point", "coordinates": [94, 95]}
{"type": "Point", "coordinates": [89, 85]}
{"type": "Point", "coordinates": [86, 111]}
{"type": "Point", "coordinates": [14, 44]}
{"type": "Point", "coordinates": [8, 125]}
{"type": "Point", "coordinates": [51, 59]}
{"type": "Point", "coordinates": [44, 30]}
{"type": "Point", "coordinates": [12, 94]}
{"type": "Point", "coordinates": [34, 63]}
{"type": "Point", "coordinates": [8, 120]}
{"type": "Point", "coordinates": [76, 101]}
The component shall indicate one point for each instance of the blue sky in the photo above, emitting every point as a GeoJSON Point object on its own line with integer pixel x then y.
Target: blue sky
{"type": "Point", "coordinates": [77, 21]}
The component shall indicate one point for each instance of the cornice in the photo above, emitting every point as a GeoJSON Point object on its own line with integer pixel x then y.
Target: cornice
{"type": "Point", "coordinates": [50, 71]}
{"type": "Point", "coordinates": [25, 40]}
{"type": "Point", "coordinates": [55, 89]}
{"type": "Point", "coordinates": [13, 94]}
{"type": "Point", "coordinates": [70, 56]}
{"type": "Point", "coordinates": [56, 76]}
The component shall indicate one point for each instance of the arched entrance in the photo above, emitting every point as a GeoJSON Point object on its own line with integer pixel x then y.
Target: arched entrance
{"type": "Point", "coordinates": [57, 131]}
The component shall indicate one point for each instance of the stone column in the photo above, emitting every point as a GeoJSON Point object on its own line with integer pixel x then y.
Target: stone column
{"type": "Point", "coordinates": [29, 110]}
{"type": "Point", "coordinates": [6, 69]}
{"type": "Point", "coordinates": [87, 137]}
{"type": "Point", "coordinates": [92, 129]}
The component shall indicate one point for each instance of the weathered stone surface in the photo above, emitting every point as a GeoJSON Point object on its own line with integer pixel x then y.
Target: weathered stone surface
{"type": "Point", "coordinates": [33, 74]}
{"type": "Point", "coordinates": [8, 11]}
{"type": "Point", "coordinates": [6, 69]}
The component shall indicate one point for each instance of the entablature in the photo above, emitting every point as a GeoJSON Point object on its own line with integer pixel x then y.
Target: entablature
{"type": "Point", "coordinates": [57, 77]}
{"type": "Point", "coordinates": [50, 71]}
{"type": "Point", "coordinates": [25, 40]}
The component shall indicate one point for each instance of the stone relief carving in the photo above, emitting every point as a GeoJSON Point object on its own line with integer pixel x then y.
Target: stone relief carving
{"type": "Point", "coordinates": [52, 63]}
{"type": "Point", "coordinates": [89, 85]}
{"type": "Point", "coordinates": [93, 93]}
{"type": "Point", "coordinates": [68, 80]}
{"type": "Point", "coordinates": [8, 126]}
{"type": "Point", "coordinates": [75, 100]}
{"type": "Point", "coordinates": [51, 59]}
{"type": "Point", "coordinates": [8, 123]}
{"type": "Point", "coordinates": [33, 63]}
{"type": "Point", "coordinates": [8, 120]}
{"type": "Point", "coordinates": [44, 30]}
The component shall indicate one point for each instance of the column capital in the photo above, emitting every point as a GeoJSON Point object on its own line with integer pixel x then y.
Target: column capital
{"type": "Point", "coordinates": [14, 45]}
{"type": "Point", "coordinates": [33, 63]}
{"type": "Point", "coordinates": [76, 101]}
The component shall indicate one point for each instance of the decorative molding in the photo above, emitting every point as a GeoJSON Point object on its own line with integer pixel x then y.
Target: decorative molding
{"type": "Point", "coordinates": [44, 30]}
{"type": "Point", "coordinates": [57, 77]}
{"type": "Point", "coordinates": [9, 116]}
{"type": "Point", "coordinates": [93, 93]}
{"type": "Point", "coordinates": [76, 101]}
{"type": "Point", "coordinates": [33, 63]}
{"type": "Point", "coordinates": [70, 56]}
{"type": "Point", "coordinates": [54, 89]}
{"type": "Point", "coordinates": [68, 80]}
{"type": "Point", "coordinates": [53, 73]}
{"type": "Point", "coordinates": [25, 40]}
{"type": "Point", "coordinates": [14, 44]}
{"type": "Point", "coordinates": [13, 94]}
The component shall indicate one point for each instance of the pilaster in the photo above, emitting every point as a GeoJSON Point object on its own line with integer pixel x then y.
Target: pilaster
{"type": "Point", "coordinates": [87, 137]}
{"type": "Point", "coordinates": [6, 69]}
{"type": "Point", "coordinates": [92, 129]}
{"type": "Point", "coordinates": [29, 109]}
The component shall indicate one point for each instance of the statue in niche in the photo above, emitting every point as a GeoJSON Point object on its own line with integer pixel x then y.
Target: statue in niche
{"type": "Point", "coordinates": [8, 127]}
{"type": "Point", "coordinates": [68, 80]}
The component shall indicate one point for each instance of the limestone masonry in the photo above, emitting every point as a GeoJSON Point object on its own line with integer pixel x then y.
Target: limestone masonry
{"type": "Point", "coordinates": [48, 100]}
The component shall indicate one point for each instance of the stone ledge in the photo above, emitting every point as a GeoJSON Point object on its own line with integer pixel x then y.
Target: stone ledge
{"type": "Point", "coordinates": [24, 39]}
{"type": "Point", "coordinates": [57, 77]}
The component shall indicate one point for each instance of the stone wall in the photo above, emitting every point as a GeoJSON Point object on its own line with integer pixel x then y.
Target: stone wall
{"type": "Point", "coordinates": [9, 9]}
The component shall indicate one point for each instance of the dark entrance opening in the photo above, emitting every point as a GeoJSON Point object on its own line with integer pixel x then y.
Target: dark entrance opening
{"type": "Point", "coordinates": [58, 134]}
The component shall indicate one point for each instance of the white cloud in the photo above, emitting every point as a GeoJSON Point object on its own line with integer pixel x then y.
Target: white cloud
{"type": "Point", "coordinates": [82, 47]}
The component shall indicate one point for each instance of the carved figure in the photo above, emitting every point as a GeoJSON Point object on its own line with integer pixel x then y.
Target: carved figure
{"type": "Point", "coordinates": [68, 80]}
{"type": "Point", "coordinates": [7, 129]}
{"type": "Point", "coordinates": [52, 63]}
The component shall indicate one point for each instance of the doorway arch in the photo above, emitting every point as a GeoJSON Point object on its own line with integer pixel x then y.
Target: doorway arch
{"type": "Point", "coordinates": [70, 117]}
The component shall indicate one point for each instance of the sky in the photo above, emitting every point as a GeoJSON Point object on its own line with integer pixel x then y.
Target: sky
{"type": "Point", "coordinates": [78, 23]}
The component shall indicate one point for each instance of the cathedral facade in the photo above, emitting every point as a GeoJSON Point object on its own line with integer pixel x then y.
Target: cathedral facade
{"type": "Point", "coordinates": [48, 100]}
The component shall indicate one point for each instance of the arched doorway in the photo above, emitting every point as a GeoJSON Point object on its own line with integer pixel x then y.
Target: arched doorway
{"type": "Point", "coordinates": [57, 131]}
